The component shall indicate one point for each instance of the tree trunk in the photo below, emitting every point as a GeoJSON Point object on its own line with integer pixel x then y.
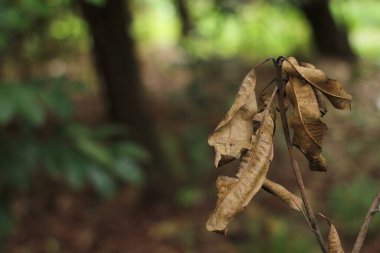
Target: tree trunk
{"type": "Point", "coordinates": [330, 39]}
{"type": "Point", "coordinates": [184, 17]}
{"type": "Point", "coordinates": [117, 63]}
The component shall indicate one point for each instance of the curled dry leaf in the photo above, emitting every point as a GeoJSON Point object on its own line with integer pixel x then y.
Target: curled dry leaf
{"type": "Point", "coordinates": [267, 101]}
{"type": "Point", "coordinates": [321, 101]}
{"type": "Point", "coordinates": [303, 64]}
{"type": "Point", "coordinates": [318, 93]}
{"type": "Point", "coordinates": [332, 89]}
{"type": "Point", "coordinates": [235, 193]}
{"type": "Point", "coordinates": [283, 194]}
{"type": "Point", "coordinates": [233, 133]}
{"type": "Point", "coordinates": [306, 123]}
{"type": "Point", "coordinates": [334, 243]}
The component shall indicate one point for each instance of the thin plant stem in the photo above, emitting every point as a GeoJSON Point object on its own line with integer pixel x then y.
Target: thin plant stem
{"type": "Point", "coordinates": [309, 211]}
{"type": "Point", "coordinates": [364, 229]}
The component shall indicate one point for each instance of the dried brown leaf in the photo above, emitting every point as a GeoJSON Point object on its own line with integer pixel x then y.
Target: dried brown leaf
{"type": "Point", "coordinates": [283, 194]}
{"type": "Point", "coordinates": [321, 101]}
{"type": "Point", "coordinates": [306, 123]}
{"type": "Point", "coordinates": [267, 101]}
{"type": "Point", "coordinates": [332, 89]}
{"type": "Point", "coordinates": [235, 193]}
{"type": "Point", "coordinates": [334, 243]}
{"type": "Point", "coordinates": [318, 93]}
{"type": "Point", "coordinates": [233, 133]}
{"type": "Point", "coordinates": [305, 64]}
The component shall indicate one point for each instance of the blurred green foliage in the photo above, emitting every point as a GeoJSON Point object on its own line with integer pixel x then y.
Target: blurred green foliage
{"type": "Point", "coordinates": [271, 233]}
{"type": "Point", "coordinates": [363, 22]}
{"type": "Point", "coordinates": [21, 18]}
{"type": "Point", "coordinates": [98, 3]}
{"type": "Point", "coordinates": [223, 29]}
{"type": "Point", "coordinates": [38, 130]}
{"type": "Point", "coordinates": [350, 202]}
{"type": "Point", "coordinates": [252, 29]}
{"type": "Point", "coordinates": [36, 30]}
{"type": "Point", "coordinates": [39, 138]}
{"type": "Point", "coordinates": [260, 29]}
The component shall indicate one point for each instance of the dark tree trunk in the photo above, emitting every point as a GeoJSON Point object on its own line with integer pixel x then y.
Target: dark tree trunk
{"type": "Point", "coordinates": [117, 63]}
{"type": "Point", "coordinates": [184, 16]}
{"type": "Point", "coordinates": [330, 39]}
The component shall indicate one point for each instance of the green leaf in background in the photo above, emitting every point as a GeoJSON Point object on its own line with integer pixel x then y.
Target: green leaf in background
{"type": "Point", "coordinates": [11, 19]}
{"type": "Point", "coordinates": [28, 106]}
{"type": "Point", "coordinates": [94, 151]}
{"type": "Point", "coordinates": [81, 136]}
{"type": "Point", "coordinates": [35, 8]}
{"type": "Point", "coordinates": [75, 169]}
{"type": "Point", "coordinates": [132, 150]}
{"type": "Point", "coordinates": [53, 155]}
{"type": "Point", "coordinates": [98, 3]}
{"type": "Point", "coordinates": [7, 105]}
{"type": "Point", "coordinates": [188, 196]}
{"type": "Point", "coordinates": [57, 102]}
{"type": "Point", "coordinates": [128, 170]}
{"type": "Point", "coordinates": [30, 102]}
{"type": "Point", "coordinates": [107, 131]}
{"type": "Point", "coordinates": [18, 157]}
{"type": "Point", "coordinates": [101, 180]}
{"type": "Point", "coordinates": [350, 203]}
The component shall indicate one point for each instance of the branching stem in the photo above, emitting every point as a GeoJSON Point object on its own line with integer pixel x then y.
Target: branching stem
{"type": "Point", "coordinates": [364, 229]}
{"type": "Point", "coordinates": [309, 211]}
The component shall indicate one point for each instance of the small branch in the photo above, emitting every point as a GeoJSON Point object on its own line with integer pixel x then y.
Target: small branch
{"type": "Point", "coordinates": [364, 229]}
{"type": "Point", "coordinates": [309, 211]}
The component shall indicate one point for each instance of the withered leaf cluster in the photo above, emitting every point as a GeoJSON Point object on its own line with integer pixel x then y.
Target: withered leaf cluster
{"type": "Point", "coordinates": [303, 90]}
{"type": "Point", "coordinates": [246, 133]}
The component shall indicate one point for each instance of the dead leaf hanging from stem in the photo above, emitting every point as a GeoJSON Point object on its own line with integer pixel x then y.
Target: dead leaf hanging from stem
{"type": "Point", "coordinates": [235, 193]}
{"type": "Point", "coordinates": [235, 137]}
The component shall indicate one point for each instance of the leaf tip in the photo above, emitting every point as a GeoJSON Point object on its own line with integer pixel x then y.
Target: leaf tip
{"type": "Point", "coordinates": [318, 164]}
{"type": "Point", "coordinates": [221, 160]}
{"type": "Point", "coordinates": [213, 226]}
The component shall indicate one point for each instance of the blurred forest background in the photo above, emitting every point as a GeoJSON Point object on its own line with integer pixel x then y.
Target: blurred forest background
{"type": "Point", "coordinates": [106, 105]}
